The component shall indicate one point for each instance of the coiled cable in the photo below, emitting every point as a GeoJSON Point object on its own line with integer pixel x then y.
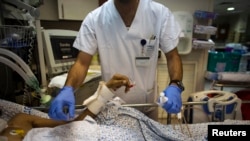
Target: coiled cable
{"type": "Point", "coordinates": [30, 39]}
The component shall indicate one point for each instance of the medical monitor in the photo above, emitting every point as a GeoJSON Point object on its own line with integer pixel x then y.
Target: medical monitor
{"type": "Point", "coordinates": [58, 50]}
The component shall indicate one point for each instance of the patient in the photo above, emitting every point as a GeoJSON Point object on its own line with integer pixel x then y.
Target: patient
{"type": "Point", "coordinates": [105, 120]}
{"type": "Point", "coordinates": [22, 122]}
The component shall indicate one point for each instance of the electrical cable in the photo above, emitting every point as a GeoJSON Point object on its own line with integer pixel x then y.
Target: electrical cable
{"type": "Point", "coordinates": [29, 61]}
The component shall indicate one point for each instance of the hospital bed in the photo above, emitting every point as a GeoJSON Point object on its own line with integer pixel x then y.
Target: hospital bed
{"type": "Point", "coordinates": [111, 115]}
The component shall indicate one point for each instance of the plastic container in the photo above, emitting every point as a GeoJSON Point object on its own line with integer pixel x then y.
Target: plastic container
{"type": "Point", "coordinates": [236, 47]}
{"type": "Point", "coordinates": [204, 14]}
{"type": "Point", "coordinates": [244, 65]}
{"type": "Point", "coordinates": [202, 29]}
{"type": "Point", "coordinates": [223, 61]}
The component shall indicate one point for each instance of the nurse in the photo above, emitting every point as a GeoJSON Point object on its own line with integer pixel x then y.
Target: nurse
{"type": "Point", "coordinates": [127, 35]}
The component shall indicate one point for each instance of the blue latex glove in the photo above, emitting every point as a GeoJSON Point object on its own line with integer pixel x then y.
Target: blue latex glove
{"type": "Point", "coordinates": [65, 98]}
{"type": "Point", "coordinates": [174, 103]}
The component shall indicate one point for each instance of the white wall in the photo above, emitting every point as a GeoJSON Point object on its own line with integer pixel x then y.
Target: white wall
{"type": "Point", "coordinates": [188, 5]}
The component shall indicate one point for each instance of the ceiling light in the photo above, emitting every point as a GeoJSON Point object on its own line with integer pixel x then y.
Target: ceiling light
{"type": "Point", "coordinates": [230, 8]}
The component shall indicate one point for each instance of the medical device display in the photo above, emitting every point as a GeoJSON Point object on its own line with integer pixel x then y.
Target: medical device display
{"type": "Point", "coordinates": [58, 50]}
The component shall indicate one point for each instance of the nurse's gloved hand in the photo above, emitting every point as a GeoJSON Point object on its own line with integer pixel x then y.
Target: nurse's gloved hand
{"type": "Point", "coordinates": [174, 102]}
{"type": "Point", "coordinates": [65, 98]}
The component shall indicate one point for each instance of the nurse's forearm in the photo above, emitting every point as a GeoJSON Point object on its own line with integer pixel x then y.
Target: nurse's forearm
{"type": "Point", "coordinates": [79, 70]}
{"type": "Point", "coordinates": [76, 76]}
{"type": "Point", "coordinates": [174, 65]}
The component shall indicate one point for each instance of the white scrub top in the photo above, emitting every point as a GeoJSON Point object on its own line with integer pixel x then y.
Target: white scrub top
{"type": "Point", "coordinates": [103, 30]}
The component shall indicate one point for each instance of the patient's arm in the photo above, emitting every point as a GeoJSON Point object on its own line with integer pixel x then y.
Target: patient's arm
{"type": "Point", "coordinates": [26, 122]}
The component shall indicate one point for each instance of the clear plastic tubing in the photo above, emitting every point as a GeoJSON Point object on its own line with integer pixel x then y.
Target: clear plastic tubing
{"type": "Point", "coordinates": [15, 68]}
{"type": "Point", "coordinates": [19, 60]}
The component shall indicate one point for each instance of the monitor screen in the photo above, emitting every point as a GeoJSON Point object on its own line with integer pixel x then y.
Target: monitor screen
{"type": "Point", "coordinates": [58, 50]}
{"type": "Point", "coordinates": [62, 48]}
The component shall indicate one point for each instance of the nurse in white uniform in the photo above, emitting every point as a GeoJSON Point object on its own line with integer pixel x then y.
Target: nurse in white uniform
{"type": "Point", "coordinates": [127, 35]}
